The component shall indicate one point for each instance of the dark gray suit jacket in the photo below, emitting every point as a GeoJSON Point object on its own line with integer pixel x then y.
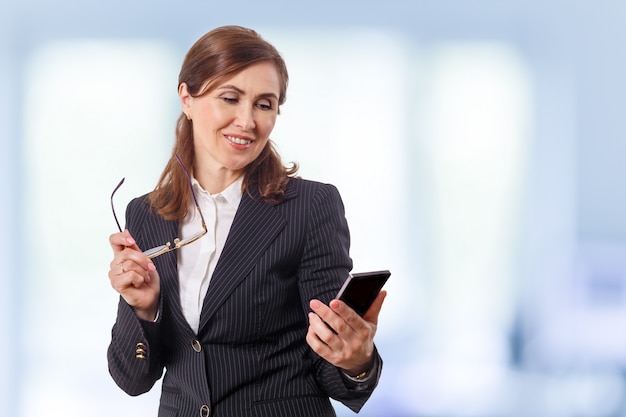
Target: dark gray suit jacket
{"type": "Point", "coordinates": [250, 357]}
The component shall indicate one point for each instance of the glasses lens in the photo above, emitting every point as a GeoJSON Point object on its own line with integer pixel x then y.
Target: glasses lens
{"type": "Point", "coordinates": [159, 250]}
{"type": "Point", "coordinates": [191, 239]}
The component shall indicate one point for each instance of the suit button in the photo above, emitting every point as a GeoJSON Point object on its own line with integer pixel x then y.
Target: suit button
{"type": "Point", "coordinates": [140, 351]}
{"type": "Point", "coordinates": [196, 345]}
{"type": "Point", "coordinates": [205, 411]}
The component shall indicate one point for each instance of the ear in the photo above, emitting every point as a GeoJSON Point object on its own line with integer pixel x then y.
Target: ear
{"type": "Point", "coordinates": [185, 98]}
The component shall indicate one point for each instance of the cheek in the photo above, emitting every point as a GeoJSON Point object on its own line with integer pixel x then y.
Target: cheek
{"type": "Point", "coordinates": [210, 117]}
{"type": "Point", "coordinates": [267, 125]}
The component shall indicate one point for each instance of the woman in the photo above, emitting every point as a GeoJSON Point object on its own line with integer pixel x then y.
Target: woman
{"type": "Point", "coordinates": [241, 316]}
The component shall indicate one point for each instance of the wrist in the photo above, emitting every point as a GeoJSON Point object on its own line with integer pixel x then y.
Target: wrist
{"type": "Point", "coordinates": [147, 315]}
{"type": "Point", "coordinates": [361, 373]}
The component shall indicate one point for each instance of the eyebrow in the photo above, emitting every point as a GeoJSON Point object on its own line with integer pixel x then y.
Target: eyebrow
{"type": "Point", "coordinates": [240, 91]}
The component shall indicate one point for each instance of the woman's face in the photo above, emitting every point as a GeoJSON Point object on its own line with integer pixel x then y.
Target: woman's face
{"type": "Point", "coordinates": [232, 123]}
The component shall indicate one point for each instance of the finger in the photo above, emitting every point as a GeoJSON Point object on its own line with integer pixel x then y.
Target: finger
{"type": "Point", "coordinates": [131, 259]}
{"type": "Point", "coordinates": [315, 339]}
{"type": "Point", "coordinates": [121, 240]}
{"type": "Point", "coordinates": [316, 344]}
{"type": "Point", "coordinates": [138, 280]}
{"type": "Point", "coordinates": [129, 265]}
{"type": "Point", "coordinates": [322, 330]}
{"type": "Point", "coordinates": [332, 347]}
{"type": "Point", "coordinates": [372, 314]}
{"type": "Point", "coordinates": [347, 314]}
{"type": "Point", "coordinates": [142, 267]}
{"type": "Point", "coordinates": [136, 260]}
{"type": "Point", "coordinates": [123, 270]}
{"type": "Point", "coordinates": [129, 279]}
{"type": "Point", "coordinates": [330, 317]}
{"type": "Point", "coordinates": [139, 290]}
{"type": "Point", "coordinates": [131, 268]}
{"type": "Point", "coordinates": [120, 281]}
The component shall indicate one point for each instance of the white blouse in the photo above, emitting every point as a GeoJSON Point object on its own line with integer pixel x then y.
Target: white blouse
{"type": "Point", "coordinates": [197, 261]}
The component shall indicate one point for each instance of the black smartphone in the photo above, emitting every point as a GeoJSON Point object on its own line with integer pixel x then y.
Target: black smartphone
{"type": "Point", "coordinates": [360, 290]}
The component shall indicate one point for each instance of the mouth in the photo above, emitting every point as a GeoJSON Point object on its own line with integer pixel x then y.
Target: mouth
{"type": "Point", "coordinates": [238, 141]}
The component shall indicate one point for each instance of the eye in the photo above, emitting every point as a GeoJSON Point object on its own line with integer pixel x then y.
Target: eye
{"type": "Point", "coordinates": [230, 99]}
{"type": "Point", "coordinates": [265, 105]}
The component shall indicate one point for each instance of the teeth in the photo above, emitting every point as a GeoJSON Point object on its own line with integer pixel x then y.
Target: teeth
{"type": "Point", "coordinates": [238, 141]}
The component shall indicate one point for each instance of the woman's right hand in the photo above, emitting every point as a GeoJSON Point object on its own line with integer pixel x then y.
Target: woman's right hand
{"type": "Point", "coordinates": [134, 276]}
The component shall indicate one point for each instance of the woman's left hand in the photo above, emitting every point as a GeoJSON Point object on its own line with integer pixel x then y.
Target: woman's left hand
{"type": "Point", "coordinates": [351, 345]}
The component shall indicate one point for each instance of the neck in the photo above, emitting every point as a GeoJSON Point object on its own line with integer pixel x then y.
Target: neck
{"type": "Point", "coordinates": [216, 181]}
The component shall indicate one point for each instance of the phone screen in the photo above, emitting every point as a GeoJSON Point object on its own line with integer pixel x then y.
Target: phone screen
{"type": "Point", "coordinates": [360, 290]}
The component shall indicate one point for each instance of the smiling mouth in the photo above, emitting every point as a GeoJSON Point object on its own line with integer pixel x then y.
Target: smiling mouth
{"type": "Point", "coordinates": [238, 141]}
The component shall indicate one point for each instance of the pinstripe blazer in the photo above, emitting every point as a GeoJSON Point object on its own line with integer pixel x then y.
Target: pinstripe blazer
{"type": "Point", "coordinates": [250, 357]}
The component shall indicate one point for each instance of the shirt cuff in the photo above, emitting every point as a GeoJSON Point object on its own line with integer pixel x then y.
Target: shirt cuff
{"type": "Point", "coordinates": [364, 376]}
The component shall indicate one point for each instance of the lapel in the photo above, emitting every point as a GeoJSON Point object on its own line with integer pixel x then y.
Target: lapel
{"type": "Point", "coordinates": [255, 226]}
{"type": "Point", "coordinates": [159, 231]}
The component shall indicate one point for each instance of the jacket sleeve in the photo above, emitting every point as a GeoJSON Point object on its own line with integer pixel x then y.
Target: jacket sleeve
{"type": "Point", "coordinates": [325, 264]}
{"type": "Point", "coordinates": [134, 356]}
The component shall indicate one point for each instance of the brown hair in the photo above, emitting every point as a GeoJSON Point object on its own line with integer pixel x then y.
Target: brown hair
{"type": "Point", "coordinates": [215, 57]}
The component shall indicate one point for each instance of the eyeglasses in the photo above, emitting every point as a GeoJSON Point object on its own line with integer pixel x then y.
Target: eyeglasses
{"type": "Point", "coordinates": [178, 243]}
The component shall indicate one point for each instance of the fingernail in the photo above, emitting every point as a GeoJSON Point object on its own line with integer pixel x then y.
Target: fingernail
{"type": "Point", "coordinates": [315, 304]}
{"type": "Point", "coordinates": [151, 267]}
{"type": "Point", "coordinates": [130, 240]}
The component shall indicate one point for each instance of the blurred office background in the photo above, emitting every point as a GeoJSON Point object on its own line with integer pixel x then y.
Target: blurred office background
{"type": "Point", "coordinates": [479, 147]}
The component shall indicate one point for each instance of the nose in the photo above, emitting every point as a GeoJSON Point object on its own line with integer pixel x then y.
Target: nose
{"type": "Point", "coordinates": [245, 118]}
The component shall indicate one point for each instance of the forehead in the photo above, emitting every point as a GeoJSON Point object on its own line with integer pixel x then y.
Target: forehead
{"type": "Point", "coordinates": [259, 78]}
{"type": "Point", "coordinates": [259, 75]}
